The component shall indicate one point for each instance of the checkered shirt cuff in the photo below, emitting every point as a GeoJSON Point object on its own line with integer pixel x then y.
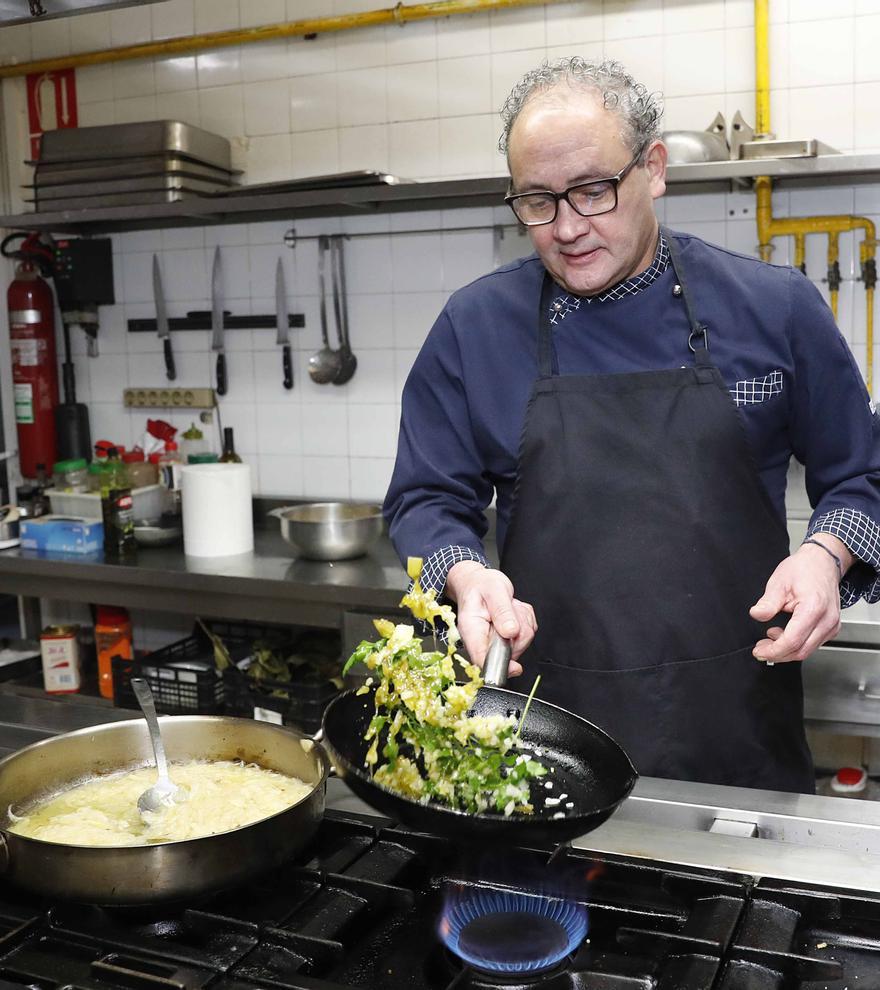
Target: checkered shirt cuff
{"type": "Point", "coordinates": [437, 566]}
{"type": "Point", "coordinates": [433, 578]}
{"type": "Point", "coordinates": [861, 535]}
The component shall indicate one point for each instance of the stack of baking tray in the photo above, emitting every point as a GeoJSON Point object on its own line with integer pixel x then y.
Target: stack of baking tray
{"type": "Point", "coordinates": [129, 164]}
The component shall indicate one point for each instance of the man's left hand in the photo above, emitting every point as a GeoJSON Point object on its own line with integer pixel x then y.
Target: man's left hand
{"type": "Point", "coordinates": [806, 584]}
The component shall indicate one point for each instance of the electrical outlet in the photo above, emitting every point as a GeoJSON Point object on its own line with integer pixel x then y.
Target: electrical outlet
{"type": "Point", "coordinates": [168, 397]}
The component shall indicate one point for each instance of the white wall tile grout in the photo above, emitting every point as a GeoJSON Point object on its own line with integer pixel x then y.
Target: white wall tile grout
{"type": "Point", "coordinates": [420, 100]}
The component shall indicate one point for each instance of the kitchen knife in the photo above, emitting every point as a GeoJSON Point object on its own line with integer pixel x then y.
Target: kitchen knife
{"type": "Point", "coordinates": [162, 320]}
{"type": "Point", "coordinates": [283, 337]}
{"type": "Point", "coordinates": [217, 321]}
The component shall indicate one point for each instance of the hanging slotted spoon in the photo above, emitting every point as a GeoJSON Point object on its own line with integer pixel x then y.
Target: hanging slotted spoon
{"type": "Point", "coordinates": [325, 365]}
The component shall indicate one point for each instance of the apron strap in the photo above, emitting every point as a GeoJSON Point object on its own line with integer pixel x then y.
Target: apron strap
{"type": "Point", "coordinates": [547, 363]}
{"type": "Point", "coordinates": [698, 338]}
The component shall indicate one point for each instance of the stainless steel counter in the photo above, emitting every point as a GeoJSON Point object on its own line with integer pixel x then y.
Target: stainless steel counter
{"type": "Point", "coordinates": [28, 715]}
{"type": "Point", "coordinates": [268, 585]}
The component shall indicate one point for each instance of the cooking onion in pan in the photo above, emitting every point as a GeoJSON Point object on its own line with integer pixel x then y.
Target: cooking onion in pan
{"type": "Point", "coordinates": [221, 796]}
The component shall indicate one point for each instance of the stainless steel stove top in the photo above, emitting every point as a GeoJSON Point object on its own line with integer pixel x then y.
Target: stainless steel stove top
{"type": "Point", "coordinates": [796, 837]}
{"type": "Point", "coordinates": [369, 904]}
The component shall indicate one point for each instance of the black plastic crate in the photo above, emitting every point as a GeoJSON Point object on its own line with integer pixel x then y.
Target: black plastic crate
{"type": "Point", "coordinates": [300, 701]}
{"type": "Point", "coordinates": [182, 676]}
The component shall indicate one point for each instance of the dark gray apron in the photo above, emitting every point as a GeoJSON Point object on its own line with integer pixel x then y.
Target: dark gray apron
{"type": "Point", "coordinates": [641, 533]}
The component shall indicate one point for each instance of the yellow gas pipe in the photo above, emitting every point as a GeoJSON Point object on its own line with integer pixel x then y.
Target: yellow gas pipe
{"type": "Point", "coordinates": [398, 14]}
{"type": "Point", "coordinates": [800, 252]}
{"type": "Point", "coordinates": [798, 227]}
{"type": "Point", "coordinates": [834, 270]}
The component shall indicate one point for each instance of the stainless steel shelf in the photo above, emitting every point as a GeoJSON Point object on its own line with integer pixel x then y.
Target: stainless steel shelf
{"type": "Point", "coordinates": [827, 166]}
{"type": "Point", "coordinates": [415, 196]}
{"type": "Point", "coordinates": [347, 201]}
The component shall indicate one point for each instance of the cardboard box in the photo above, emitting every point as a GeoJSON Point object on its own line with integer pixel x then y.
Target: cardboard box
{"type": "Point", "coordinates": [62, 534]}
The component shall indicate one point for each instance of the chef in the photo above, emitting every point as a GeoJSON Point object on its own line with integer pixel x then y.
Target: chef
{"type": "Point", "coordinates": [632, 397]}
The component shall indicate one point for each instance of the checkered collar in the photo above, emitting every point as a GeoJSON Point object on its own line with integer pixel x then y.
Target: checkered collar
{"type": "Point", "coordinates": [565, 303]}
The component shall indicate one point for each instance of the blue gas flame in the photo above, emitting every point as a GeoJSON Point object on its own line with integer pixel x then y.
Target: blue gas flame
{"type": "Point", "coordinates": [504, 931]}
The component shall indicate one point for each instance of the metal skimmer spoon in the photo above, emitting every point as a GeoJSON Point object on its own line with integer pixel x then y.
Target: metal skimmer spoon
{"type": "Point", "coordinates": [325, 365]}
{"type": "Point", "coordinates": [164, 792]}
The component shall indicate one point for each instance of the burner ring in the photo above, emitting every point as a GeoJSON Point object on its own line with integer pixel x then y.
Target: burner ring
{"type": "Point", "coordinates": [505, 932]}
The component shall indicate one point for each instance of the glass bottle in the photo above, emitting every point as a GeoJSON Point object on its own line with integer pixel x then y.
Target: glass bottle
{"type": "Point", "coordinates": [169, 465]}
{"type": "Point", "coordinates": [117, 474]}
{"type": "Point", "coordinates": [193, 443]}
{"type": "Point", "coordinates": [140, 472]}
{"type": "Point", "coordinates": [40, 501]}
{"type": "Point", "coordinates": [229, 455]}
{"type": "Point", "coordinates": [117, 510]}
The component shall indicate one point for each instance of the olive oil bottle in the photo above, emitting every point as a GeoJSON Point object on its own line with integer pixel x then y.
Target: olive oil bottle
{"type": "Point", "coordinates": [117, 510]}
{"type": "Point", "coordinates": [229, 455]}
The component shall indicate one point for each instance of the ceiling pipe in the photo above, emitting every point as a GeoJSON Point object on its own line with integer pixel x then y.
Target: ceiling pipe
{"type": "Point", "coordinates": [399, 14]}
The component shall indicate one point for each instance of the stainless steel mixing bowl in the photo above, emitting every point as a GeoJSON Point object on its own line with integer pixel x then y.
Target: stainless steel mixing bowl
{"type": "Point", "coordinates": [330, 530]}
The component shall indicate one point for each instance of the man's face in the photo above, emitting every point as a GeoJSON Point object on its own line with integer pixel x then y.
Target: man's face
{"type": "Point", "coordinates": [567, 137]}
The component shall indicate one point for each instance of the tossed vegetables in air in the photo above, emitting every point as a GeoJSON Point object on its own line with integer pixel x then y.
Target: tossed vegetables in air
{"type": "Point", "coordinates": [424, 743]}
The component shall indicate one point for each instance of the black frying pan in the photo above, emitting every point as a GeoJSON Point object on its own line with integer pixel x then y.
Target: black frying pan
{"type": "Point", "coordinates": [590, 767]}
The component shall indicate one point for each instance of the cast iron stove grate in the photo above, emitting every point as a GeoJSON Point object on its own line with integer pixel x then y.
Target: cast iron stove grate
{"type": "Point", "coordinates": [364, 904]}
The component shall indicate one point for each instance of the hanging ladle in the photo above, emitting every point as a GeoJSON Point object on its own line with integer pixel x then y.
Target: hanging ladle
{"type": "Point", "coordinates": [325, 365]}
{"type": "Point", "coordinates": [347, 360]}
{"type": "Point", "coordinates": [164, 792]}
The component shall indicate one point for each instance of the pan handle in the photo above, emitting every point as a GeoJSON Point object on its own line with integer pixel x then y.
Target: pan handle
{"type": "Point", "coordinates": [318, 739]}
{"type": "Point", "coordinates": [497, 659]}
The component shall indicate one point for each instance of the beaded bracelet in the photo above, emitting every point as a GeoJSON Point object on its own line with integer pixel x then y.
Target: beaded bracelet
{"type": "Point", "coordinates": [831, 554]}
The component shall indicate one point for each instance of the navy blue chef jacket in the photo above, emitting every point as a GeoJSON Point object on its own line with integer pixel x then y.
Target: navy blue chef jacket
{"type": "Point", "coordinates": [771, 335]}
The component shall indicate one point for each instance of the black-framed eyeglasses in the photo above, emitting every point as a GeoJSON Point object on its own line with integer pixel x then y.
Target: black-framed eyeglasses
{"type": "Point", "coordinates": [589, 199]}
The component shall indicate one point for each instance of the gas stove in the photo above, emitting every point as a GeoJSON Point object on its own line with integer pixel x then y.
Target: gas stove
{"type": "Point", "coordinates": [371, 904]}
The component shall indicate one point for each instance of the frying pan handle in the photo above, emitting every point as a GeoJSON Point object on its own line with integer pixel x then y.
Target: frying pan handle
{"type": "Point", "coordinates": [497, 659]}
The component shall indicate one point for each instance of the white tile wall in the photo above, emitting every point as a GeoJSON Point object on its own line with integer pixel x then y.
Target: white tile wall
{"type": "Point", "coordinates": [420, 100]}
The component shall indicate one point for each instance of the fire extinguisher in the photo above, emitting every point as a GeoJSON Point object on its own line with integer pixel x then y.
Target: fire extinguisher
{"type": "Point", "coordinates": [31, 306]}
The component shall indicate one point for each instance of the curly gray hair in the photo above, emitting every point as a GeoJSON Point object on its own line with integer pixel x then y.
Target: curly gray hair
{"type": "Point", "coordinates": [639, 110]}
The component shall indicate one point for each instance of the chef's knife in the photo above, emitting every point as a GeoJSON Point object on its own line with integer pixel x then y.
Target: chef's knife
{"type": "Point", "coordinates": [283, 337]}
{"type": "Point", "coordinates": [162, 320]}
{"type": "Point", "coordinates": [217, 321]}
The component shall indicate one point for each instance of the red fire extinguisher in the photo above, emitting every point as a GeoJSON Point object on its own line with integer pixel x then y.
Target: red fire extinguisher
{"type": "Point", "coordinates": [31, 307]}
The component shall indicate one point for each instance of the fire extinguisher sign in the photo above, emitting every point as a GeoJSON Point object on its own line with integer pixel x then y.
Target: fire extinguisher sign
{"type": "Point", "coordinates": [24, 402]}
{"type": "Point", "coordinates": [51, 102]}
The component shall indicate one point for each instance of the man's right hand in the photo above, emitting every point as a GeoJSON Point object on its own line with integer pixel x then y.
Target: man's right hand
{"type": "Point", "coordinates": [485, 604]}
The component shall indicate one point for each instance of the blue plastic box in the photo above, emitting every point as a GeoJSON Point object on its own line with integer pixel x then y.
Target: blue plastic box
{"type": "Point", "coordinates": [62, 534]}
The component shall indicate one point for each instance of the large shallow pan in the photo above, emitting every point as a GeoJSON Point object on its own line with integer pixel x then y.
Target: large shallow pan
{"type": "Point", "coordinates": [145, 874]}
{"type": "Point", "coordinates": [589, 766]}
